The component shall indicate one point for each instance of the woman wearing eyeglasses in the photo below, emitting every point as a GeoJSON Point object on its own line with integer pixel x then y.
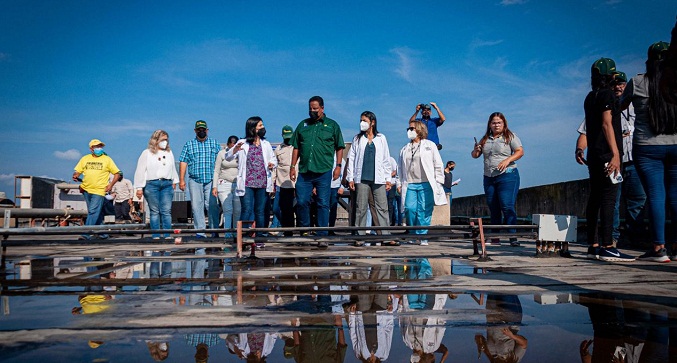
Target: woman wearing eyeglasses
{"type": "Point", "coordinates": [421, 179]}
{"type": "Point", "coordinates": [368, 172]}
{"type": "Point", "coordinates": [500, 148]}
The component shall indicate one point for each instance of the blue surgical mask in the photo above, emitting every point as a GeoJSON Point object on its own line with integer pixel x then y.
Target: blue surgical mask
{"type": "Point", "coordinates": [98, 151]}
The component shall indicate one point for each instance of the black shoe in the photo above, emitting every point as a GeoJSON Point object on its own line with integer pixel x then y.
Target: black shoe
{"type": "Point", "coordinates": [593, 253]}
{"type": "Point", "coordinates": [611, 254]}
{"type": "Point", "coordinates": [660, 256]}
{"type": "Point", "coordinates": [322, 244]}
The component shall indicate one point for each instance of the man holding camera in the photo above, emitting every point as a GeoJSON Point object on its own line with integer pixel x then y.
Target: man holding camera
{"type": "Point", "coordinates": [431, 123]}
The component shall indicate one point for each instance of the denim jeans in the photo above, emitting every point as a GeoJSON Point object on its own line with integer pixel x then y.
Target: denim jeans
{"type": "Point", "coordinates": [657, 169]}
{"type": "Point", "coordinates": [601, 203]}
{"type": "Point", "coordinates": [304, 190]}
{"type": "Point", "coordinates": [156, 266]}
{"type": "Point", "coordinates": [635, 198]}
{"type": "Point", "coordinates": [501, 192]}
{"type": "Point", "coordinates": [95, 211]}
{"type": "Point", "coordinates": [159, 194]}
{"type": "Point", "coordinates": [418, 206]}
{"type": "Point", "coordinates": [333, 206]}
{"type": "Point", "coordinates": [200, 194]}
{"type": "Point", "coordinates": [254, 206]}
{"type": "Point", "coordinates": [230, 203]}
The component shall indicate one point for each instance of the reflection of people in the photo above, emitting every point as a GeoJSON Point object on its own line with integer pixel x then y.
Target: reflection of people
{"type": "Point", "coordinates": [500, 148]}
{"type": "Point", "coordinates": [655, 146]}
{"type": "Point", "coordinates": [197, 158]}
{"type": "Point", "coordinates": [317, 140]}
{"type": "Point", "coordinates": [421, 178]}
{"type": "Point", "coordinates": [369, 171]}
{"type": "Point", "coordinates": [431, 123]}
{"type": "Point", "coordinates": [323, 341]}
{"type": "Point", "coordinates": [96, 168]}
{"type": "Point", "coordinates": [254, 347]}
{"type": "Point", "coordinates": [159, 351]}
{"type": "Point", "coordinates": [503, 343]}
{"type": "Point", "coordinates": [155, 179]}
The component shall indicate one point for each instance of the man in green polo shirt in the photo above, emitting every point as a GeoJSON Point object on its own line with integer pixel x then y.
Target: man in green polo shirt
{"type": "Point", "coordinates": [316, 141]}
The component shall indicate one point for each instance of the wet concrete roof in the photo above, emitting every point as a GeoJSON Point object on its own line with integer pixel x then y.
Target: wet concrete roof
{"type": "Point", "coordinates": [98, 301]}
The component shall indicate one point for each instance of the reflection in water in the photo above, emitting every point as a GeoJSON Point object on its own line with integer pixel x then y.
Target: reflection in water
{"type": "Point", "coordinates": [314, 310]}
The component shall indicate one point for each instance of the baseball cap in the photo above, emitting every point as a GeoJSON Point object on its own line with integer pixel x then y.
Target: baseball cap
{"type": "Point", "coordinates": [658, 50]}
{"type": "Point", "coordinates": [200, 124]}
{"type": "Point", "coordinates": [96, 142]}
{"type": "Point", "coordinates": [620, 77]}
{"type": "Point", "coordinates": [287, 131]}
{"type": "Point", "coordinates": [605, 66]}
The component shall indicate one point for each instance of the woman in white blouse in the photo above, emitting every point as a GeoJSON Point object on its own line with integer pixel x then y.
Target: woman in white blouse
{"type": "Point", "coordinates": [224, 185]}
{"type": "Point", "coordinates": [369, 171]}
{"type": "Point", "coordinates": [156, 179]}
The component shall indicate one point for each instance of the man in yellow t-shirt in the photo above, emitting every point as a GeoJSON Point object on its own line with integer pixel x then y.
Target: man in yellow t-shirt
{"type": "Point", "coordinates": [96, 168]}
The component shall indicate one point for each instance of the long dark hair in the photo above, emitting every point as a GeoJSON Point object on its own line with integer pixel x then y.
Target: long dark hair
{"type": "Point", "coordinates": [250, 128]}
{"type": "Point", "coordinates": [507, 134]}
{"type": "Point", "coordinates": [662, 114]}
{"type": "Point", "coordinates": [372, 117]}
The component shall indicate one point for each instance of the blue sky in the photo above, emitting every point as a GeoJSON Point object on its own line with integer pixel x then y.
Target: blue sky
{"type": "Point", "coordinates": [71, 71]}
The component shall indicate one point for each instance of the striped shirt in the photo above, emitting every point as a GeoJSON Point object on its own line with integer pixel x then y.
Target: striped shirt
{"type": "Point", "coordinates": [200, 157]}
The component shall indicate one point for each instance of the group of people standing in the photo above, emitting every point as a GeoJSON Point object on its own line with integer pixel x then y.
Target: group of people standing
{"type": "Point", "coordinates": [305, 173]}
{"type": "Point", "coordinates": [632, 126]}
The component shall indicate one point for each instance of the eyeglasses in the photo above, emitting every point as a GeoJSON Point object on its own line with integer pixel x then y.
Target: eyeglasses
{"type": "Point", "coordinates": [410, 129]}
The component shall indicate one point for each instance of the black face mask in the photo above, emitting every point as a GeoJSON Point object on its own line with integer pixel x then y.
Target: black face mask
{"type": "Point", "coordinates": [261, 132]}
{"type": "Point", "coordinates": [201, 134]}
{"type": "Point", "coordinates": [314, 115]}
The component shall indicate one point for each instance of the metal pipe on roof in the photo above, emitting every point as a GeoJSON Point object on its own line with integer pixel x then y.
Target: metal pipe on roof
{"type": "Point", "coordinates": [43, 212]}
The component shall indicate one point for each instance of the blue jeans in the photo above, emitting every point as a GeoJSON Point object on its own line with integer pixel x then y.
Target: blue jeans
{"type": "Point", "coordinates": [155, 266]}
{"type": "Point", "coordinates": [254, 206]}
{"type": "Point", "coordinates": [94, 211]}
{"type": "Point", "coordinates": [230, 204]}
{"type": "Point", "coordinates": [200, 195]}
{"type": "Point", "coordinates": [304, 190]}
{"type": "Point", "coordinates": [159, 194]}
{"type": "Point", "coordinates": [333, 206]}
{"type": "Point", "coordinates": [635, 198]}
{"type": "Point", "coordinates": [501, 192]}
{"type": "Point", "coordinates": [418, 205]}
{"type": "Point", "coordinates": [657, 169]}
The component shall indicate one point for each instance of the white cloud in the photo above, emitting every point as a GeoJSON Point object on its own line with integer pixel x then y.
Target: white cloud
{"type": "Point", "coordinates": [71, 154]}
{"type": "Point", "coordinates": [478, 43]}
{"type": "Point", "coordinates": [7, 179]}
{"type": "Point", "coordinates": [405, 66]}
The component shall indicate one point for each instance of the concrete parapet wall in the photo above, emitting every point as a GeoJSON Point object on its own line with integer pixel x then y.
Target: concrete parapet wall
{"type": "Point", "coordinates": [569, 198]}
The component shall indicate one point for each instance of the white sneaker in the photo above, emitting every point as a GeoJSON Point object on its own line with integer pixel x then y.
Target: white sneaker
{"type": "Point", "coordinates": [424, 242]}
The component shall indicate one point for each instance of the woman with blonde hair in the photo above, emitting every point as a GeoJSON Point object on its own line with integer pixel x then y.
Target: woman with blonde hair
{"type": "Point", "coordinates": [156, 178]}
{"type": "Point", "coordinates": [421, 179]}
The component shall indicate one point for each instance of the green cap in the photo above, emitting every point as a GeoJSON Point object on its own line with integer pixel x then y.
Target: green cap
{"type": "Point", "coordinates": [605, 66]}
{"type": "Point", "coordinates": [620, 77]}
{"type": "Point", "coordinates": [287, 131]}
{"type": "Point", "coordinates": [200, 124]}
{"type": "Point", "coordinates": [658, 50]}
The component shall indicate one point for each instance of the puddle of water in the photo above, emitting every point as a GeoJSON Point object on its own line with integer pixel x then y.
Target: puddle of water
{"type": "Point", "coordinates": [309, 310]}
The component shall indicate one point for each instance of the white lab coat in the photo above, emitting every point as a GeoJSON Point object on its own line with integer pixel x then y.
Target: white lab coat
{"type": "Point", "coordinates": [432, 166]}
{"type": "Point", "coordinates": [268, 157]}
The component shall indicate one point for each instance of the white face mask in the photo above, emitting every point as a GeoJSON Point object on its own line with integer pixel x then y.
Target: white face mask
{"type": "Point", "coordinates": [411, 134]}
{"type": "Point", "coordinates": [162, 144]}
{"type": "Point", "coordinates": [364, 126]}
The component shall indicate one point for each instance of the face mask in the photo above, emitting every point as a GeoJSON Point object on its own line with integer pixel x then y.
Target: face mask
{"type": "Point", "coordinates": [98, 151]}
{"type": "Point", "coordinates": [162, 144]}
{"type": "Point", "coordinates": [261, 132]}
{"type": "Point", "coordinates": [364, 126]}
{"type": "Point", "coordinates": [314, 115]}
{"type": "Point", "coordinates": [411, 134]}
{"type": "Point", "coordinates": [201, 134]}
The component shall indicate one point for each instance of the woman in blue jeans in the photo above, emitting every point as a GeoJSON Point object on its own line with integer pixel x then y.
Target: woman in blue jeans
{"type": "Point", "coordinates": [500, 148]}
{"type": "Point", "coordinates": [155, 179]}
{"type": "Point", "coordinates": [256, 161]}
{"type": "Point", "coordinates": [655, 145]}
